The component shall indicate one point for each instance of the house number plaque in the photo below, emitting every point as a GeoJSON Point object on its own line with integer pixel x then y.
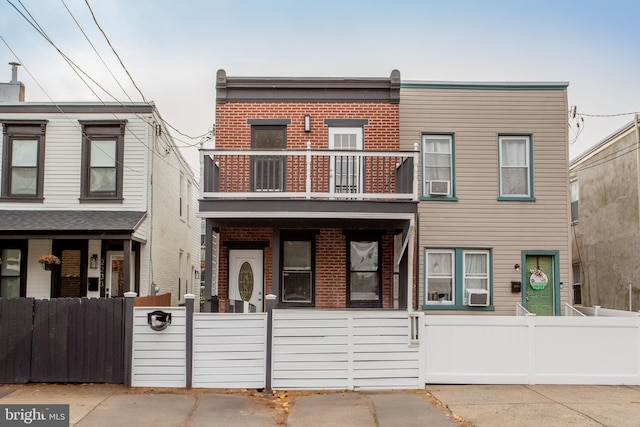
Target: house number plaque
{"type": "Point", "coordinates": [245, 281]}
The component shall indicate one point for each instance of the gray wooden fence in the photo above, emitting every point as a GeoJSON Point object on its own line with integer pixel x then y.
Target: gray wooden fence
{"type": "Point", "coordinates": [62, 340]}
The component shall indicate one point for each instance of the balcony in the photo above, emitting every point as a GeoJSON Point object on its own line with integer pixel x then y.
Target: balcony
{"type": "Point", "coordinates": [332, 175]}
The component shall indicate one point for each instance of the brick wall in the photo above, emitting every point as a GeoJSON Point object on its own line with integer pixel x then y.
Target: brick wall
{"type": "Point", "coordinates": [382, 132]}
{"type": "Point", "coordinates": [331, 265]}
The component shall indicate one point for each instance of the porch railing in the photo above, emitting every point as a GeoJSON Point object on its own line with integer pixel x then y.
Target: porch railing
{"type": "Point", "coordinates": [310, 174]}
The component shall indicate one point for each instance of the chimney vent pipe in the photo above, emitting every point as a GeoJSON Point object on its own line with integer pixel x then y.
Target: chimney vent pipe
{"type": "Point", "coordinates": [14, 71]}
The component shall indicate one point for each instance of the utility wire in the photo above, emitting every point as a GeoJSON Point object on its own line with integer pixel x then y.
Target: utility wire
{"type": "Point", "coordinates": [96, 51]}
{"type": "Point", "coordinates": [114, 50]}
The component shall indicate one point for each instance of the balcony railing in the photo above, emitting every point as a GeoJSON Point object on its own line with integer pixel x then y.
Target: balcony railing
{"type": "Point", "coordinates": [310, 174]}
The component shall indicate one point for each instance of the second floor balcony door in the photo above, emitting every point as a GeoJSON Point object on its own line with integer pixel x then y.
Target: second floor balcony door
{"type": "Point", "coordinates": [267, 172]}
{"type": "Point", "coordinates": [346, 171]}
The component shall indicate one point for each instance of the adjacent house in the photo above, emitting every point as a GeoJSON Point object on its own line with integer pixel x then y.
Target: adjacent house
{"type": "Point", "coordinates": [494, 210]}
{"type": "Point", "coordinates": [102, 190]}
{"type": "Point", "coordinates": [605, 221]}
{"type": "Point", "coordinates": [309, 195]}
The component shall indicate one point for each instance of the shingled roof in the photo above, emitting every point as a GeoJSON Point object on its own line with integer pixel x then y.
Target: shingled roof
{"type": "Point", "coordinates": [70, 221]}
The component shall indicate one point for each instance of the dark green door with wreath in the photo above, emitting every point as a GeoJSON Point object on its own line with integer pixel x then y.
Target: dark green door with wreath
{"type": "Point", "coordinates": [539, 280]}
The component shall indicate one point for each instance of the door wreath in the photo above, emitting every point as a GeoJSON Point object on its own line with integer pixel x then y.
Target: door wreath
{"type": "Point", "coordinates": [538, 279]}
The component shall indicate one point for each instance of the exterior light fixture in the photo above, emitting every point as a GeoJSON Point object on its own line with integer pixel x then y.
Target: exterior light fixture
{"type": "Point", "coordinates": [517, 267]}
{"type": "Point", "coordinates": [307, 123]}
{"type": "Point", "coordinates": [93, 262]}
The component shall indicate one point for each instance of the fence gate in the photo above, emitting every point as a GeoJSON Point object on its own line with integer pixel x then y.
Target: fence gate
{"type": "Point", "coordinates": [61, 340]}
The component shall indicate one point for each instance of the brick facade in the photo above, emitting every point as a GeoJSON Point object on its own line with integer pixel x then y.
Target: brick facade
{"type": "Point", "coordinates": [382, 132]}
{"type": "Point", "coordinates": [330, 266]}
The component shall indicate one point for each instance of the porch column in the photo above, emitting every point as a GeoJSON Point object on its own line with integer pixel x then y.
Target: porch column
{"type": "Point", "coordinates": [208, 265]}
{"type": "Point", "coordinates": [126, 280]}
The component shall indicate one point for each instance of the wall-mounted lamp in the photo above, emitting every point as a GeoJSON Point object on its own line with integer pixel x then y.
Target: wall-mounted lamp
{"type": "Point", "coordinates": [93, 262]}
{"type": "Point", "coordinates": [517, 267]}
{"type": "Point", "coordinates": [307, 123]}
{"type": "Point", "coordinates": [197, 274]}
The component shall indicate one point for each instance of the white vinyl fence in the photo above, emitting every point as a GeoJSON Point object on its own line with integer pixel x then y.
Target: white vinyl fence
{"type": "Point", "coordinates": [532, 350]}
{"type": "Point", "coordinates": [380, 349]}
{"type": "Point", "coordinates": [318, 349]}
{"type": "Point", "coordinates": [229, 350]}
{"type": "Point", "coordinates": [159, 357]}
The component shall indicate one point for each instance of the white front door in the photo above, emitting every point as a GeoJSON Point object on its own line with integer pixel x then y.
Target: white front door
{"type": "Point", "coordinates": [246, 280]}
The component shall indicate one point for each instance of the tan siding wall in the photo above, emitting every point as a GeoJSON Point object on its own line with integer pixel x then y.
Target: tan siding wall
{"type": "Point", "coordinates": [478, 219]}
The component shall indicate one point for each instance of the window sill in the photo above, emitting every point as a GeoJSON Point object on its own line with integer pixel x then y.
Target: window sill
{"type": "Point", "coordinates": [516, 199]}
{"type": "Point", "coordinates": [10, 199]}
{"type": "Point", "coordinates": [456, 307]}
{"type": "Point", "coordinates": [101, 199]}
{"type": "Point", "coordinates": [439, 199]}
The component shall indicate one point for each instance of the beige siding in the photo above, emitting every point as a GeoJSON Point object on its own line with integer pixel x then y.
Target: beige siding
{"type": "Point", "coordinates": [477, 219]}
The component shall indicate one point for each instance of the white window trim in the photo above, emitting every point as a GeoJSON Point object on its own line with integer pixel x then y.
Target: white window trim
{"type": "Point", "coordinates": [453, 276]}
{"type": "Point", "coordinates": [527, 140]}
{"type": "Point", "coordinates": [359, 147]}
{"type": "Point", "coordinates": [464, 275]}
{"type": "Point", "coordinates": [425, 182]}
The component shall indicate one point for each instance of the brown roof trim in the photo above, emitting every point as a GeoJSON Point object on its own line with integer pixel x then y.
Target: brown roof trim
{"type": "Point", "coordinates": [68, 108]}
{"type": "Point", "coordinates": [307, 89]}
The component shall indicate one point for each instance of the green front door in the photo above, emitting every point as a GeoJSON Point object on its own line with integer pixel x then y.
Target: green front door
{"type": "Point", "coordinates": [539, 284]}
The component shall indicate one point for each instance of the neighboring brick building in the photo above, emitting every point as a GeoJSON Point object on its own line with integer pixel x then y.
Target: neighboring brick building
{"type": "Point", "coordinates": [313, 200]}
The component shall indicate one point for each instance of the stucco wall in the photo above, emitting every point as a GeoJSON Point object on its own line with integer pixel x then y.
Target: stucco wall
{"type": "Point", "coordinates": [606, 238]}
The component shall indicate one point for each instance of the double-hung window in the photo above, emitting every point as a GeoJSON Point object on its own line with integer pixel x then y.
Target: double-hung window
{"type": "Point", "coordinates": [102, 160]}
{"type": "Point", "coordinates": [298, 269]}
{"type": "Point", "coordinates": [515, 167]}
{"type": "Point", "coordinates": [23, 160]}
{"type": "Point", "coordinates": [440, 276]}
{"type": "Point", "coordinates": [574, 192]}
{"type": "Point", "coordinates": [437, 158]}
{"type": "Point", "coordinates": [13, 268]}
{"type": "Point", "coordinates": [457, 278]}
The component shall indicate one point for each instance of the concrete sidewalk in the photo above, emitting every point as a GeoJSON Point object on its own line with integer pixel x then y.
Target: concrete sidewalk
{"type": "Point", "coordinates": [95, 405]}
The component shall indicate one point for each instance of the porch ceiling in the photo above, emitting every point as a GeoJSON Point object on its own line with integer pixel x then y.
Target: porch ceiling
{"type": "Point", "coordinates": [306, 210]}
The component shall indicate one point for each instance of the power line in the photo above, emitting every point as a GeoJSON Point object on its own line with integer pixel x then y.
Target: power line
{"type": "Point", "coordinates": [96, 51]}
{"type": "Point", "coordinates": [114, 50]}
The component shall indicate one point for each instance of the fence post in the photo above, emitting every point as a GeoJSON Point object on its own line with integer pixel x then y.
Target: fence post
{"type": "Point", "coordinates": [271, 303]}
{"type": "Point", "coordinates": [531, 366]}
{"type": "Point", "coordinates": [189, 300]}
{"type": "Point", "coordinates": [129, 304]}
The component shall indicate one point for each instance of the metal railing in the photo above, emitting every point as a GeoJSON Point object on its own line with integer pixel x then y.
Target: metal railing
{"type": "Point", "coordinates": [521, 311]}
{"type": "Point", "coordinates": [310, 174]}
{"type": "Point", "coordinates": [569, 310]}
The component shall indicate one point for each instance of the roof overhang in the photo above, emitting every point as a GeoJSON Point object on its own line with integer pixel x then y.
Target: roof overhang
{"type": "Point", "coordinates": [69, 224]}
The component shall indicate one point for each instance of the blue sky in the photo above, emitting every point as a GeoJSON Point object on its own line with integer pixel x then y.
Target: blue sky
{"type": "Point", "coordinates": [173, 49]}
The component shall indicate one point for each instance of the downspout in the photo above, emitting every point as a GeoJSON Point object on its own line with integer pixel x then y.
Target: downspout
{"type": "Point", "coordinates": [637, 127]}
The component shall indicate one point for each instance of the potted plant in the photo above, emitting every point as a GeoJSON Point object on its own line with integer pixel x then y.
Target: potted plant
{"type": "Point", "coordinates": [48, 261]}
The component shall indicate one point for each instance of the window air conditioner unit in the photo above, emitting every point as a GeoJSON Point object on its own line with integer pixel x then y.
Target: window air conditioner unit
{"type": "Point", "coordinates": [477, 297]}
{"type": "Point", "coordinates": [439, 188]}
